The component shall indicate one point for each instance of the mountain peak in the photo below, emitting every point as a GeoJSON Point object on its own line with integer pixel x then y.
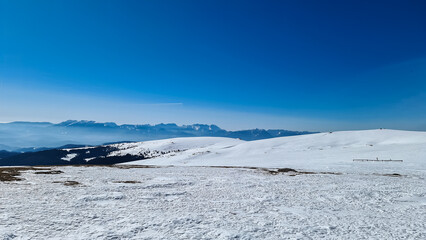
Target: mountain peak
{"type": "Point", "coordinates": [86, 132]}
{"type": "Point", "coordinates": [82, 123]}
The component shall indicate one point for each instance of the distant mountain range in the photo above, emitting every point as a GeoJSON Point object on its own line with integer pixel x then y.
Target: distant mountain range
{"type": "Point", "coordinates": [37, 136]}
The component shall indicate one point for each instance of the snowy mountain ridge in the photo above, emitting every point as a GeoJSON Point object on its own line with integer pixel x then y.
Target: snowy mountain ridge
{"type": "Point", "coordinates": [36, 136]}
{"type": "Point", "coordinates": [330, 151]}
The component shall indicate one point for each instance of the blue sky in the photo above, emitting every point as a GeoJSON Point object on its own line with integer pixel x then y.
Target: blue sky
{"type": "Point", "coordinates": [303, 65]}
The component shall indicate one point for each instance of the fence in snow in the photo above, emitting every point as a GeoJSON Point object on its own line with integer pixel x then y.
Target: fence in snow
{"type": "Point", "coordinates": [376, 160]}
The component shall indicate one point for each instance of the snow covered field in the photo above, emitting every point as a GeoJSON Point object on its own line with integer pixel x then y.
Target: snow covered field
{"type": "Point", "coordinates": [210, 203]}
{"type": "Point", "coordinates": [339, 199]}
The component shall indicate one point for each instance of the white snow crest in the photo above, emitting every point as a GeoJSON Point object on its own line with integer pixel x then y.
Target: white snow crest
{"type": "Point", "coordinates": [69, 156]}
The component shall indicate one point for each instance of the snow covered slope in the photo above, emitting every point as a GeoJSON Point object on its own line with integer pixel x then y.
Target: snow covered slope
{"type": "Point", "coordinates": [323, 151]}
{"type": "Point", "coordinates": [171, 147]}
{"type": "Point", "coordinates": [116, 153]}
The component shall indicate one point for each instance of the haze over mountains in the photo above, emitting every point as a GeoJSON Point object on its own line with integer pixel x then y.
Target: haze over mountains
{"type": "Point", "coordinates": [36, 136]}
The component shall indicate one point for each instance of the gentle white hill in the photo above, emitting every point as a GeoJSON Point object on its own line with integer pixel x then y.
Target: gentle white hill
{"type": "Point", "coordinates": [332, 151]}
{"type": "Point", "coordinates": [183, 147]}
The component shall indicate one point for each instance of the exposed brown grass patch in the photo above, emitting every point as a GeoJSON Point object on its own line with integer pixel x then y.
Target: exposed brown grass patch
{"type": "Point", "coordinates": [49, 172]}
{"type": "Point", "coordinates": [293, 172]}
{"type": "Point", "coordinates": [126, 182]}
{"type": "Point", "coordinates": [8, 174]}
{"type": "Point", "coordinates": [275, 171]}
{"type": "Point", "coordinates": [235, 167]}
{"type": "Point", "coordinates": [389, 174]}
{"type": "Point", "coordinates": [68, 183]}
{"type": "Point", "coordinates": [332, 173]}
{"type": "Point", "coordinates": [290, 171]}
{"type": "Point", "coordinates": [134, 166]}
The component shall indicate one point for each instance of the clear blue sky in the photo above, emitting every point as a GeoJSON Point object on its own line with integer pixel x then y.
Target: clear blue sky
{"type": "Point", "coordinates": [305, 65]}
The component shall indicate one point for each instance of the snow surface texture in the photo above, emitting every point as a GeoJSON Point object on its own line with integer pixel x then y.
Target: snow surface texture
{"type": "Point", "coordinates": [211, 203]}
{"type": "Point", "coordinates": [317, 152]}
